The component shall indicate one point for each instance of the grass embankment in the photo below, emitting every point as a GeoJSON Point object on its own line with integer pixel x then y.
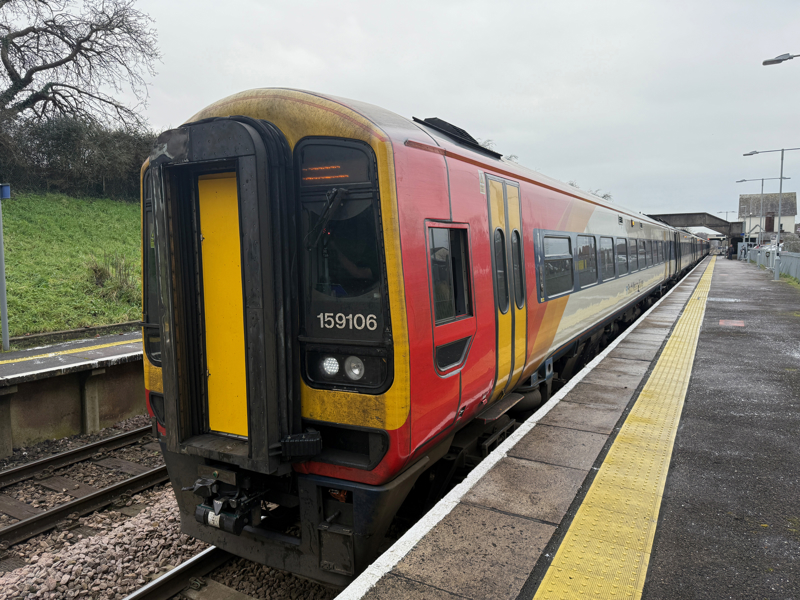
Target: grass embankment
{"type": "Point", "coordinates": [70, 262]}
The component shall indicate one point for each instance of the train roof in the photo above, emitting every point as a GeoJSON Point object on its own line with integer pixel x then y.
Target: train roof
{"type": "Point", "coordinates": [434, 132]}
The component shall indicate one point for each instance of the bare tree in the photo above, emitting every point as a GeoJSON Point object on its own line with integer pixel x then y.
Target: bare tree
{"type": "Point", "coordinates": [62, 58]}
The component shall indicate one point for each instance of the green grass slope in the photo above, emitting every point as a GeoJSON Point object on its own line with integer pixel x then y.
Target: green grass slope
{"type": "Point", "coordinates": [70, 262]}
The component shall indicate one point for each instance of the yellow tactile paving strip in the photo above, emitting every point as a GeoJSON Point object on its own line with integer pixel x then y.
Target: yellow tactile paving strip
{"type": "Point", "coordinates": [606, 549]}
{"type": "Point", "coordinates": [70, 351]}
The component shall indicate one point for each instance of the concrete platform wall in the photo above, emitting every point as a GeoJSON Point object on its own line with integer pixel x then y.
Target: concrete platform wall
{"type": "Point", "coordinates": [69, 404]}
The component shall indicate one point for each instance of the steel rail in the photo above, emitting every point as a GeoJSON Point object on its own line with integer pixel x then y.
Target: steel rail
{"type": "Point", "coordinates": [69, 457]}
{"type": "Point", "coordinates": [179, 578]}
{"type": "Point", "coordinates": [27, 528]}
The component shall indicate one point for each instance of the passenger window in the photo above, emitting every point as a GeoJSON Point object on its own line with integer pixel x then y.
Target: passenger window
{"type": "Point", "coordinates": [607, 257]}
{"type": "Point", "coordinates": [516, 258]}
{"type": "Point", "coordinates": [558, 265]}
{"type": "Point", "coordinates": [650, 258]}
{"type": "Point", "coordinates": [587, 260]}
{"type": "Point", "coordinates": [622, 256]}
{"type": "Point", "coordinates": [449, 271]}
{"type": "Point", "coordinates": [500, 270]}
{"type": "Point", "coordinates": [633, 255]}
{"type": "Point", "coordinates": [642, 255]}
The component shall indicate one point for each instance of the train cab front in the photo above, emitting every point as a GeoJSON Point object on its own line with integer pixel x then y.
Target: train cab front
{"type": "Point", "coordinates": [266, 289]}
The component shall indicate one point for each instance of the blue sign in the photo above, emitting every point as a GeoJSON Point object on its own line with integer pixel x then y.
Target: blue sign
{"type": "Point", "coordinates": [5, 191]}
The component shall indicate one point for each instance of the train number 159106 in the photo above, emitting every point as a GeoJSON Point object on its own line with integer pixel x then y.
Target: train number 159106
{"type": "Point", "coordinates": [341, 321]}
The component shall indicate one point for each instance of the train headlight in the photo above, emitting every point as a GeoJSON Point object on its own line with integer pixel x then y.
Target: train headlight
{"type": "Point", "coordinates": [354, 367]}
{"type": "Point", "coordinates": [330, 366]}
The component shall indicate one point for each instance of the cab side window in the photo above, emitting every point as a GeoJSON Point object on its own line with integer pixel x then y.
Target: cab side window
{"type": "Point", "coordinates": [152, 336]}
{"type": "Point", "coordinates": [449, 272]}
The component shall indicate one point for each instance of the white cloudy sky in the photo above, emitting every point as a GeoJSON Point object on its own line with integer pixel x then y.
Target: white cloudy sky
{"type": "Point", "coordinates": [653, 101]}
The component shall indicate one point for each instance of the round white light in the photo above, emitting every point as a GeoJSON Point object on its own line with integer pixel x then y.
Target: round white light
{"type": "Point", "coordinates": [354, 367]}
{"type": "Point", "coordinates": [330, 366]}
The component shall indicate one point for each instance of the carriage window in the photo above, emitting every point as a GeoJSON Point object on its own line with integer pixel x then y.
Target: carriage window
{"type": "Point", "coordinates": [642, 255]}
{"type": "Point", "coordinates": [558, 265]}
{"type": "Point", "coordinates": [587, 260]}
{"type": "Point", "coordinates": [500, 270]}
{"type": "Point", "coordinates": [449, 268]}
{"type": "Point", "coordinates": [516, 259]}
{"type": "Point", "coordinates": [152, 335]}
{"type": "Point", "coordinates": [633, 255]}
{"type": "Point", "coordinates": [622, 256]}
{"type": "Point", "coordinates": [650, 258]}
{"type": "Point", "coordinates": [607, 257]}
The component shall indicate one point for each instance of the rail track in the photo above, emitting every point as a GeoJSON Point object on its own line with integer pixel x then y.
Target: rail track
{"type": "Point", "coordinates": [63, 459]}
{"type": "Point", "coordinates": [89, 502]}
{"type": "Point", "coordinates": [182, 576]}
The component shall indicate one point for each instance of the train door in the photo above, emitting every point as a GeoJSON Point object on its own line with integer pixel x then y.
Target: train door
{"type": "Point", "coordinates": [223, 193]}
{"type": "Point", "coordinates": [508, 265]}
{"type": "Point", "coordinates": [220, 255]}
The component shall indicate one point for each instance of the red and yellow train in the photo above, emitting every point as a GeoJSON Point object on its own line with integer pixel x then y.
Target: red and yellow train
{"type": "Point", "coordinates": [338, 299]}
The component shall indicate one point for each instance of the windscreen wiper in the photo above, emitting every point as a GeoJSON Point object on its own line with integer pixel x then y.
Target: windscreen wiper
{"type": "Point", "coordinates": [334, 197]}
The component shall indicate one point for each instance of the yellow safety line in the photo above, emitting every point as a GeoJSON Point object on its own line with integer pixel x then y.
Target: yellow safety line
{"type": "Point", "coordinates": [606, 550]}
{"type": "Point", "coordinates": [71, 351]}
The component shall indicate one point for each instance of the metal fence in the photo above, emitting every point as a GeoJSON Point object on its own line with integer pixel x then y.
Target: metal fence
{"type": "Point", "coordinates": [789, 264]}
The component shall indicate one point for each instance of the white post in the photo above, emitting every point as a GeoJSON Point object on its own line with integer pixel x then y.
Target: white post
{"type": "Point", "coordinates": [777, 262]}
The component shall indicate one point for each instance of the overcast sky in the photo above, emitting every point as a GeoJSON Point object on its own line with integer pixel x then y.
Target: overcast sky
{"type": "Point", "coordinates": [654, 102]}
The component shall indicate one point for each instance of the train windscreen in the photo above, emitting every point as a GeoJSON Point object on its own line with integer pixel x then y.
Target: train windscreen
{"type": "Point", "coordinates": [340, 241]}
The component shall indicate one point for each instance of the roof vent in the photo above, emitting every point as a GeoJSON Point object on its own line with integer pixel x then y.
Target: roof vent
{"type": "Point", "coordinates": [457, 134]}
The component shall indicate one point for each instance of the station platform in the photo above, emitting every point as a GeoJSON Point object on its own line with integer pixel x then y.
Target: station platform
{"type": "Point", "coordinates": [668, 468]}
{"type": "Point", "coordinates": [67, 357]}
{"type": "Point", "coordinates": [70, 388]}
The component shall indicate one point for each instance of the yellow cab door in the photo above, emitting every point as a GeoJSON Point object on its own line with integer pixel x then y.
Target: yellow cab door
{"type": "Point", "coordinates": [505, 227]}
{"type": "Point", "coordinates": [220, 249]}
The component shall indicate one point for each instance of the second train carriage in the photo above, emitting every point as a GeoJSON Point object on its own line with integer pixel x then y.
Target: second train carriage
{"type": "Point", "coordinates": [337, 297]}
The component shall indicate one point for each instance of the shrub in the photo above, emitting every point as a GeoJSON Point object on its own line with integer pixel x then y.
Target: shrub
{"type": "Point", "coordinates": [73, 157]}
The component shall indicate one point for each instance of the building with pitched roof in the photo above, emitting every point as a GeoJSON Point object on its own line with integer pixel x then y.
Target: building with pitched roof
{"type": "Point", "coordinates": [762, 215]}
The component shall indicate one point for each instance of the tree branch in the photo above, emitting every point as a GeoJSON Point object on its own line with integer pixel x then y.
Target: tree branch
{"type": "Point", "coordinates": [109, 43]}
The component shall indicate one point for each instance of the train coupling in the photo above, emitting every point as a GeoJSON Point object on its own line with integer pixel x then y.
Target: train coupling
{"type": "Point", "coordinates": [227, 506]}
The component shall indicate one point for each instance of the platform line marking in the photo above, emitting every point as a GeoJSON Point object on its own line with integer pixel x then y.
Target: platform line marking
{"type": "Point", "coordinates": [93, 362]}
{"type": "Point", "coordinates": [70, 351]}
{"type": "Point", "coordinates": [386, 561]}
{"type": "Point", "coordinates": [606, 550]}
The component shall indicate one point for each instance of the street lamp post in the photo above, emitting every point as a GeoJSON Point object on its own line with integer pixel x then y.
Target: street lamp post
{"type": "Point", "coordinates": [761, 212]}
{"type": "Point", "coordinates": [779, 59]}
{"type": "Point", "coordinates": [776, 269]}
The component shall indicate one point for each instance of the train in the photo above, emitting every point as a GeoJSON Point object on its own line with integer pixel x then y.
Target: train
{"type": "Point", "coordinates": [345, 309]}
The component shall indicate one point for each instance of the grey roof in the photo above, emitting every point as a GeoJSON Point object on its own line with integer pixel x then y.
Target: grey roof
{"type": "Point", "coordinates": [750, 204]}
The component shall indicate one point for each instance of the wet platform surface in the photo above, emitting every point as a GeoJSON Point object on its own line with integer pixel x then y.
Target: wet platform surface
{"type": "Point", "coordinates": [670, 470]}
{"type": "Point", "coordinates": [47, 361]}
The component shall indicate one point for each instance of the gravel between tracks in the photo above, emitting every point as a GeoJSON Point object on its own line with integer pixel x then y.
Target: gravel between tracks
{"type": "Point", "coordinates": [125, 553]}
{"type": "Point", "coordinates": [21, 456]}
{"type": "Point", "coordinates": [121, 557]}
{"type": "Point", "coordinates": [37, 496]}
{"type": "Point", "coordinates": [262, 582]}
